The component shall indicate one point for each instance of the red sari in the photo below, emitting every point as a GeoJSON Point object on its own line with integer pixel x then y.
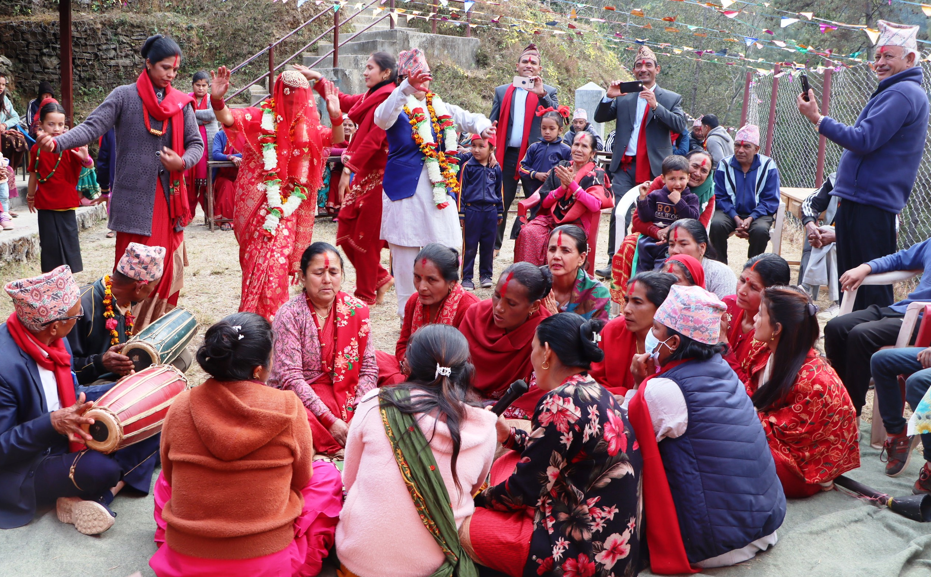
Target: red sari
{"type": "Point", "coordinates": [619, 346]}
{"type": "Point", "coordinates": [746, 355]}
{"type": "Point", "coordinates": [500, 357]}
{"type": "Point", "coordinates": [813, 432]}
{"type": "Point", "coordinates": [268, 259]}
{"type": "Point", "coordinates": [224, 187]}
{"type": "Point", "coordinates": [452, 312]}
{"type": "Point", "coordinates": [359, 226]}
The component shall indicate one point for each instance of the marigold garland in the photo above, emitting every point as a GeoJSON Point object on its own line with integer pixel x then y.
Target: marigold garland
{"type": "Point", "coordinates": [111, 322]}
{"type": "Point", "coordinates": [442, 165]}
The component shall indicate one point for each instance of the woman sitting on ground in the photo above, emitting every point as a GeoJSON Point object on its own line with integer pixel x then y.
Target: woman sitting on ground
{"type": "Point", "coordinates": [622, 265]}
{"type": "Point", "coordinates": [500, 329]}
{"type": "Point", "coordinates": [422, 439]}
{"type": "Point", "coordinates": [323, 349]}
{"type": "Point", "coordinates": [574, 291]}
{"type": "Point", "coordinates": [566, 500]}
{"type": "Point", "coordinates": [238, 494]}
{"type": "Point", "coordinates": [624, 336]}
{"type": "Point", "coordinates": [686, 269]}
{"type": "Point", "coordinates": [574, 193]}
{"type": "Point", "coordinates": [806, 412]}
{"type": "Point", "coordinates": [746, 354]}
{"type": "Point", "coordinates": [715, 474]}
{"type": "Point", "coordinates": [439, 299]}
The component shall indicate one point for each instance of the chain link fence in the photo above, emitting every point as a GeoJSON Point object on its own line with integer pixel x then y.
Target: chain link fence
{"type": "Point", "coordinates": [795, 142]}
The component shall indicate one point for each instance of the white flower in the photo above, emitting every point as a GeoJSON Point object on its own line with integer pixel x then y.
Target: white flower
{"type": "Point", "coordinates": [270, 157]}
{"type": "Point", "coordinates": [268, 121]}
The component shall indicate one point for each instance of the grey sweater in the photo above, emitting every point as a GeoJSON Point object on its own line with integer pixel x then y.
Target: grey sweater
{"type": "Point", "coordinates": [719, 144]}
{"type": "Point", "coordinates": [132, 201]}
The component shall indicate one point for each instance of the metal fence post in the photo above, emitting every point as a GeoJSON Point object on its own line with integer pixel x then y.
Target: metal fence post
{"type": "Point", "coordinates": [468, 22]}
{"type": "Point", "coordinates": [336, 39]}
{"type": "Point", "coordinates": [825, 110]}
{"type": "Point", "coordinates": [746, 107]}
{"type": "Point", "coordinates": [391, 15]}
{"type": "Point", "coordinates": [771, 128]}
{"type": "Point", "coordinates": [433, 24]}
{"type": "Point", "coordinates": [271, 68]}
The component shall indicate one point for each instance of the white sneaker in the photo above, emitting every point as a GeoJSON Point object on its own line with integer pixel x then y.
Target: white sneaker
{"type": "Point", "coordinates": [88, 517]}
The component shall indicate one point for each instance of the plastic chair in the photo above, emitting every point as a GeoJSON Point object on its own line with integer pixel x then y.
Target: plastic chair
{"type": "Point", "coordinates": [775, 233]}
{"type": "Point", "coordinates": [912, 313]}
{"type": "Point", "coordinates": [620, 212]}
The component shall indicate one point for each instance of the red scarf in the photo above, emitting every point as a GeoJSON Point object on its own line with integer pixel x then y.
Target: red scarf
{"type": "Point", "coordinates": [170, 108]}
{"type": "Point", "coordinates": [54, 357]}
{"type": "Point", "coordinates": [505, 116]}
{"type": "Point", "coordinates": [447, 313]}
{"type": "Point", "coordinates": [500, 358]}
{"type": "Point", "coordinates": [567, 209]}
{"type": "Point", "coordinates": [692, 265]}
{"type": "Point", "coordinates": [352, 336]}
{"type": "Point", "coordinates": [664, 536]}
{"type": "Point", "coordinates": [643, 172]}
{"type": "Point", "coordinates": [619, 346]}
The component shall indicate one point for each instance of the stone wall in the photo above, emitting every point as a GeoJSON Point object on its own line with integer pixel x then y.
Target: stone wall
{"type": "Point", "coordinates": [106, 53]}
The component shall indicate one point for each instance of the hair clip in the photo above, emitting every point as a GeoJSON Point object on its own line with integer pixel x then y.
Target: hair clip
{"type": "Point", "coordinates": [596, 338]}
{"type": "Point", "coordinates": [444, 371]}
{"type": "Point", "coordinates": [238, 328]}
{"type": "Point", "coordinates": [812, 309]}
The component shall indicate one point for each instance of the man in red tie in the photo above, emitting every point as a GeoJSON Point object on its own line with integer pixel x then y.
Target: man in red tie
{"type": "Point", "coordinates": [646, 122]}
{"type": "Point", "coordinates": [514, 109]}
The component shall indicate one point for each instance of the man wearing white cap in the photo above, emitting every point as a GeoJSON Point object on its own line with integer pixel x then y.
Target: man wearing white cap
{"type": "Point", "coordinates": [883, 150]}
{"type": "Point", "coordinates": [746, 195]}
{"type": "Point", "coordinates": [580, 123]}
{"type": "Point", "coordinates": [646, 121]}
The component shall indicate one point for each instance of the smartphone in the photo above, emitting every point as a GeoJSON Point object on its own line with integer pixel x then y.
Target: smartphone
{"type": "Point", "coordinates": [523, 82]}
{"type": "Point", "coordinates": [628, 87]}
{"type": "Point", "coordinates": [805, 87]}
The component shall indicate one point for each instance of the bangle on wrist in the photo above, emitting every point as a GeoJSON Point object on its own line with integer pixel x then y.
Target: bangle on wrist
{"type": "Point", "coordinates": [217, 105]}
{"type": "Point", "coordinates": [818, 124]}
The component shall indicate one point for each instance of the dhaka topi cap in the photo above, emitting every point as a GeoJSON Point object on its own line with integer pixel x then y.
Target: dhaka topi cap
{"type": "Point", "coordinates": [531, 49]}
{"type": "Point", "coordinates": [580, 113]}
{"type": "Point", "coordinates": [645, 53]}
{"type": "Point", "coordinates": [892, 34]}
{"type": "Point", "coordinates": [748, 133]}
{"type": "Point", "coordinates": [692, 312]}
{"type": "Point", "coordinates": [410, 61]}
{"type": "Point", "coordinates": [43, 299]}
{"type": "Point", "coordinates": [142, 263]}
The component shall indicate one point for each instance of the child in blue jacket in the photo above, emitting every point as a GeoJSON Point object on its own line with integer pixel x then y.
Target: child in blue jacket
{"type": "Point", "coordinates": [663, 207]}
{"type": "Point", "coordinates": [544, 154]}
{"type": "Point", "coordinates": [481, 209]}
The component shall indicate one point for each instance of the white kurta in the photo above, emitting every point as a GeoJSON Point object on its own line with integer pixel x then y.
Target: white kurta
{"type": "Point", "coordinates": [416, 221]}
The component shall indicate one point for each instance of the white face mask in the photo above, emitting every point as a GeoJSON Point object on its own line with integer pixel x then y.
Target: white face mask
{"type": "Point", "coordinates": [651, 345]}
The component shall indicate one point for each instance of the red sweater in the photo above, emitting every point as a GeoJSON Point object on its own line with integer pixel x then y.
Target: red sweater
{"type": "Point", "coordinates": [60, 191]}
{"type": "Point", "coordinates": [236, 455]}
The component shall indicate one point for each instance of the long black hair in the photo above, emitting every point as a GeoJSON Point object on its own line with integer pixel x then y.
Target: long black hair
{"type": "Point", "coordinates": [233, 347]}
{"type": "Point", "coordinates": [50, 108]}
{"type": "Point", "coordinates": [316, 248]}
{"type": "Point", "coordinates": [385, 61]}
{"type": "Point", "coordinates": [772, 268]}
{"type": "Point", "coordinates": [658, 285]}
{"type": "Point", "coordinates": [430, 348]}
{"type": "Point", "coordinates": [572, 339]}
{"type": "Point", "coordinates": [157, 48]}
{"type": "Point", "coordinates": [790, 307]}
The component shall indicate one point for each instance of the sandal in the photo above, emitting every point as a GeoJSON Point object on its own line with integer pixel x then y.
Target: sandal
{"type": "Point", "coordinates": [110, 234]}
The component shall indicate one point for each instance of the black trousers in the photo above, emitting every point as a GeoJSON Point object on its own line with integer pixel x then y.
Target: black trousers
{"type": "Point", "coordinates": [621, 182]}
{"type": "Point", "coordinates": [850, 341]}
{"type": "Point", "coordinates": [863, 233]}
{"type": "Point", "coordinates": [722, 226]}
{"type": "Point", "coordinates": [508, 170]}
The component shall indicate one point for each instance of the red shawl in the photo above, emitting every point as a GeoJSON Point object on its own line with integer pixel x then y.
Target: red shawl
{"type": "Point", "coordinates": [746, 355]}
{"type": "Point", "coordinates": [368, 149]}
{"type": "Point", "coordinates": [692, 265]}
{"type": "Point", "coordinates": [664, 536]}
{"type": "Point", "coordinates": [452, 312]}
{"type": "Point", "coordinates": [504, 117]}
{"type": "Point", "coordinates": [352, 336]}
{"type": "Point", "coordinates": [643, 172]}
{"type": "Point", "coordinates": [500, 358]}
{"type": "Point", "coordinates": [619, 346]}
{"type": "Point", "coordinates": [54, 357]}
{"type": "Point", "coordinates": [170, 108]}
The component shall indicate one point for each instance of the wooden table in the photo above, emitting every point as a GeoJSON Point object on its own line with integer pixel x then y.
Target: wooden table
{"type": "Point", "coordinates": [794, 197]}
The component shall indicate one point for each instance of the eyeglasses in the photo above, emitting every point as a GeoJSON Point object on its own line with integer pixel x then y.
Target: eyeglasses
{"type": "Point", "coordinates": [65, 319]}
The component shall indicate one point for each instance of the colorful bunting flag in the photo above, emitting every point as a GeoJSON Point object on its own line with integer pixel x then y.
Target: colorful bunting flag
{"type": "Point", "coordinates": [786, 21]}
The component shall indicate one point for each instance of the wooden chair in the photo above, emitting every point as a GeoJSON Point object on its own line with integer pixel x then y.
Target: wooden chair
{"type": "Point", "coordinates": [912, 313]}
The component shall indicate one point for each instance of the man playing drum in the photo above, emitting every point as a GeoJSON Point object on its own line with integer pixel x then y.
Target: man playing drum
{"type": "Point", "coordinates": [43, 460]}
{"type": "Point", "coordinates": [98, 337]}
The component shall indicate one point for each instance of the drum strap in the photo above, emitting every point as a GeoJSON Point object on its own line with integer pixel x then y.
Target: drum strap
{"type": "Point", "coordinates": [74, 466]}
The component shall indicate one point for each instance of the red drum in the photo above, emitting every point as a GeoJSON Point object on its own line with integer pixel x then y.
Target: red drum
{"type": "Point", "coordinates": [134, 409]}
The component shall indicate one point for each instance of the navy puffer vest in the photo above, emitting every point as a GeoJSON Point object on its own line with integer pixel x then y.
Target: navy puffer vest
{"type": "Point", "coordinates": [721, 472]}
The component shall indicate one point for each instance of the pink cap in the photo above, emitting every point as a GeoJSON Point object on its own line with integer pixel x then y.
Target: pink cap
{"type": "Point", "coordinates": [749, 133]}
{"type": "Point", "coordinates": [692, 312]}
{"type": "Point", "coordinates": [142, 263]}
{"type": "Point", "coordinates": [40, 300]}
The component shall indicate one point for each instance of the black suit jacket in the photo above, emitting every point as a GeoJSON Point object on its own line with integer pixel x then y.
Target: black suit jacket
{"type": "Point", "coordinates": [504, 132]}
{"type": "Point", "coordinates": [668, 118]}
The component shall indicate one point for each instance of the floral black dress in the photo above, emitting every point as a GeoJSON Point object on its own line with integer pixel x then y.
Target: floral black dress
{"type": "Point", "coordinates": [580, 469]}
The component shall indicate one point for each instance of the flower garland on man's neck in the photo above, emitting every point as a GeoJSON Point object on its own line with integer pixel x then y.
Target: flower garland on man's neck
{"type": "Point", "coordinates": [278, 206]}
{"type": "Point", "coordinates": [442, 165]}
{"type": "Point", "coordinates": [111, 322]}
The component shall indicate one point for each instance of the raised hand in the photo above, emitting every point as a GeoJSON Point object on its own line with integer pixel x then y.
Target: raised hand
{"type": "Point", "coordinates": [308, 73]}
{"type": "Point", "coordinates": [420, 80]}
{"type": "Point", "coordinates": [614, 89]}
{"type": "Point", "coordinates": [219, 83]}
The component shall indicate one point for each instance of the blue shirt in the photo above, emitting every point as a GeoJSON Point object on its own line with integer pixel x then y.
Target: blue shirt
{"type": "Point", "coordinates": [918, 257]}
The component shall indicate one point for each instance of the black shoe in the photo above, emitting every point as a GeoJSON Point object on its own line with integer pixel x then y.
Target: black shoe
{"type": "Point", "coordinates": [604, 273]}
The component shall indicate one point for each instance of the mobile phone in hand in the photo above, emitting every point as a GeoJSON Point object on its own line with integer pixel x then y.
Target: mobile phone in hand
{"type": "Point", "coordinates": [628, 87]}
{"type": "Point", "coordinates": [805, 87]}
{"type": "Point", "coordinates": [523, 82]}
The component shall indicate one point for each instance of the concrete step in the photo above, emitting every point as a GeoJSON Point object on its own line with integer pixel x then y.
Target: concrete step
{"type": "Point", "coordinates": [356, 47]}
{"type": "Point", "coordinates": [22, 243]}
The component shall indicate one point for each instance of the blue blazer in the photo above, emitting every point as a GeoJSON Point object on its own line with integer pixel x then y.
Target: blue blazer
{"type": "Point", "coordinates": [26, 432]}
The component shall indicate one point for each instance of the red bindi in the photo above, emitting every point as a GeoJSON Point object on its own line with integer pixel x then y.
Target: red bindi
{"type": "Point", "coordinates": [504, 287]}
{"type": "Point", "coordinates": [559, 239]}
{"type": "Point", "coordinates": [423, 262]}
{"type": "Point", "coordinates": [675, 234]}
{"type": "Point", "coordinates": [704, 162]}
{"type": "Point", "coordinates": [326, 260]}
{"type": "Point", "coordinates": [177, 60]}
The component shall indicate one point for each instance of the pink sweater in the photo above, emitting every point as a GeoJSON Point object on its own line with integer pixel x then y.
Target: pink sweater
{"type": "Point", "coordinates": [380, 533]}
